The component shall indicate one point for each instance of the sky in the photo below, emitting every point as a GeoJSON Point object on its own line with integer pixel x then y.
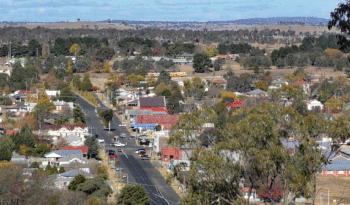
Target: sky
{"type": "Point", "coordinates": [161, 10]}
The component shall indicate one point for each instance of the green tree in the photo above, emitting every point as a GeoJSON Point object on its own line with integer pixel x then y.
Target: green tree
{"type": "Point", "coordinates": [67, 95]}
{"type": "Point", "coordinates": [95, 187]}
{"type": "Point", "coordinates": [115, 65]}
{"type": "Point", "coordinates": [79, 179]}
{"type": "Point", "coordinates": [77, 82]}
{"type": "Point", "coordinates": [62, 170]}
{"type": "Point", "coordinates": [86, 84]}
{"type": "Point", "coordinates": [325, 91]}
{"type": "Point", "coordinates": [218, 63]}
{"type": "Point", "coordinates": [164, 77]}
{"type": "Point", "coordinates": [92, 145]}
{"type": "Point", "coordinates": [78, 115]}
{"type": "Point", "coordinates": [25, 137]}
{"type": "Point", "coordinates": [201, 63]}
{"type": "Point", "coordinates": [130, 195]}
{"type": "Point", "coordinates": [43, 109]}
{"type": "Point", "coordinates": [6, 148]}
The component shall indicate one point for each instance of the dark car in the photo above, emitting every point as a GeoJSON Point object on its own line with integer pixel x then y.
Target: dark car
{"type": "Point", "coordinates": [145, 157]}
{"type": "Point", "coordinates": [110, 152]}
{"type": "Point", "coordinates": [183, 164]}
{"type": "Point", "coordinates": [119, 150]}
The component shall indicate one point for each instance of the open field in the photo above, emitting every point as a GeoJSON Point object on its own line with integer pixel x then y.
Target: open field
{"type": "Point", "coordinates": [77, 25]}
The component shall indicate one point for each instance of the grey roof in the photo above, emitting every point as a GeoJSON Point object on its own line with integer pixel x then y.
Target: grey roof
{"type": "Point", "coordinates": [19, 105]}
{"type": "Point", "coordinates": [74, 172]}
{"type": "Point", "coordinates": [72, 138]}
{"type": "Point", "coordinates": [345, 150]}
{"type": "Point", "coordinates": [133, 102]}
{"type": "Point", "coordinates": [140, 112]}
{"type": "Point", "coordinates": [70, 157]}
{"type": "Point", "coordinates": [158, 101]}
{"type": "Point", "coordinates": [64, 153]}
{"type": "Point", "coordinates": [337, 164]}
{"type": "Point", "coordinates": [256, 92]}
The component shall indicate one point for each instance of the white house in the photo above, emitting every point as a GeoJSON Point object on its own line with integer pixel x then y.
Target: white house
{"type": "Point", "coordinates": [52, 93]}
{"type": "Point", "coordinates": [61, 104]}
{"type": "Point", "coordinates": [6, 71]}
{"type": "Point", "coordinates": [313, 104]}
{"type": "Point", "coordinates": [63, 158]}
{"type": "Point", "coordinates": [64, 131]}
{"type": "Point", "coordinates": [63, 180]}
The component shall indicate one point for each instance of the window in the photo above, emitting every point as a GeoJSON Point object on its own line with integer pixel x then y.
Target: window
{"type": "Point", "coordinates": [340, 172]}
{"type": "Point", "coordinates": [171, 157]}
{"type": "Point", "coordinates": [329, 172]}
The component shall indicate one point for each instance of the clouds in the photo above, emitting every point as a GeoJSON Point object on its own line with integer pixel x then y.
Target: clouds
{"type": "Point", "coordinates": [160, 10]}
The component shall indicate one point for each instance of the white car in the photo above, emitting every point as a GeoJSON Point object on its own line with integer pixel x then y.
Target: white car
{"type": "Point", "coordinates": [122, 125]}
{"type": "Point", "coordinates": [119, 145]}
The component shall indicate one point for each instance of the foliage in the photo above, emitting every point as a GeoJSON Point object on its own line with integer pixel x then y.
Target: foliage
{"type": "Point", "coordinates": [134, 79]}
{"type": "Point", "coordinates": [114, 81]}
{"type": "Point", "coordinates": [262, 85]}
{"type": "Point", "coordinates": [211, 51]}
{"type": "Point", "coordinates": [116, 65]}
{"type": "Point", "coordinates": [78, 115]}
{"type": "Point", "coordinates": [6, 148]}
{"type": "Point", "coordinates": [151, 82]}
{"type": "Point", "coordinates": [43, 108]}
{"type": "Point", "coordinates": [106, 67]}
{"type": "Point", "coordinates": [24, 137]}
{"type": "Point", "coordinates": [74, 49]}
{"type": "Point", "coordinates": [163, 77]}
{"type": "Point", "coordinates": [86, 84]}
{"type": "Point", "coordinates": [103, 54]}
{"type": "Point", "coordinates": [61, 170]}
{"type": "Point", "coordinates": [227, 94]}
{"type": "Point", "coordinates": [92, 145]}
{"type": "Point", "coordinates": [194, 88]}
{"type": "Point", "coordinates": [160, 88]}
{"type": "Point", "coordinates": [218, 64]}
{"type": "Point", "coordinates": [79, 179]}
{"type": "Point", "coordinates": [102, 171]}
{"type": "Point", "coordinates": [28, 119]}
{"type": "Point", "coordinates": [96, 187]}
{"type": "Point", "coordinates": [201, 63]}
{"type": "Point", "coordinates": [334, 105]}
{"type": "Point", "coordinates": [39, 151]}
{"type": "Point", "coordinates": [133, 195]}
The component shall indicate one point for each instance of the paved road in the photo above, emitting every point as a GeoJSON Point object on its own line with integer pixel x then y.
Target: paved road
{"type": "Point", "coordinates": [136, 170]}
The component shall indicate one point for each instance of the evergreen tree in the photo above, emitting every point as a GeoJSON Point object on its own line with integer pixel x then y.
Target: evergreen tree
{"type": "Point", "coordinates": [78, 115]}
{"type": "Point", "coordinates": [6, 148]}
{"type": "Point", "coordinates": [86, 84]}
{"type": "Point", "coordinates": [79, 179]}
{"type": "Point", "coordinates": [92, 145]}
{"type": "Point", "coordinates": [133, 195]}
{"type": "Point", "coordinates": [62, 170]}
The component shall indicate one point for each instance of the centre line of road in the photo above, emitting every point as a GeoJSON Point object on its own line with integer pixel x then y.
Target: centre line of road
{"type": "Point", "coordinates": [124, 154]}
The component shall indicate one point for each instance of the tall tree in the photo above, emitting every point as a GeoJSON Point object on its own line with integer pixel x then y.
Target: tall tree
{"type": "Point", "coordinates": [78, 115]}
{"type": "Point", "coordinates": [86, 84]}
{"type": "Point", "coordinates": [6, 148]}
{"type": "Point", "coordinates": [92, 145]}
{"type": "Point", "coordinates": [133, 195]}
{"type": "Point", "coordinates": [43, 109]}
{"type": "Point", "coordinates": [201, 63]}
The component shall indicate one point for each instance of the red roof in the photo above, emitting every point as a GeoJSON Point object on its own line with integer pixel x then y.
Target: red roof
{"type": "Point", "coordinates": [11, 132]}
{"type": "Point", "coordinates": [83, 148]}
{"type": "Point", "coordinates": [301, 83]}
{"type": "Point", "coordinates": [219, 81]}
{"type": "Point", "coordinates": [236, 104]}
{"type": "Point", "coordinates": [155, 109]}
{"type": "Point", "coordinates": [163, 120]}
{"type": "Point", "coordinates": [26, 91]}
{"type": "Point", "coordinates": [68, 127]}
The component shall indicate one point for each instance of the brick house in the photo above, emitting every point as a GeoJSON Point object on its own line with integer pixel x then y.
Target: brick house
{"type": "Point", "coordinates": [337, 167]}
{"type": "Point", "coordinates": [171, 153]}
{"type": "Point", "coordinates": [165, 121]}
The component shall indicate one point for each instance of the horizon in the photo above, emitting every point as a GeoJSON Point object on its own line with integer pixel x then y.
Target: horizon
{"type": "Point", "coordinates": [161, 10]}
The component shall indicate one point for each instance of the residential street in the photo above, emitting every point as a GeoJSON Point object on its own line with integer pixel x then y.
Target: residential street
{"type": "Point", "coordinates": [137, 171]}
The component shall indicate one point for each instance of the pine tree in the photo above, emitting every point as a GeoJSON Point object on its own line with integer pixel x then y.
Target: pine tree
{"type": "Point", "coordinates": [78, 115]}
{"type": "Point", "coordinates": [6, 148]}
{"type": "Point", "coordinates": [86, 84]}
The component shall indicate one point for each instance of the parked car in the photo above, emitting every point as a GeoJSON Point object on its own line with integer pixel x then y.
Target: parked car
{"type": "Point", "coordinates": [145, 157]}
{"type": "Point", "coordinates": [183, 164]}
{"type": "Point", "coordinates": [131, 137]}
{"type": "Point", "coordinates": [122, 125]}
{"type": "Point", "coordinates": [119, 150]}
{"type": "Point", "coordinates": [110, 152]}
{"type": "Point", "coordinates": [119, 169]}
{"type": "Point", "coordinates": [122, 135]}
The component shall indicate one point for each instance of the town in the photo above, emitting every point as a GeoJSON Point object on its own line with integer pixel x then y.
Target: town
{"type": "Point", "coordinates": [112, 113]}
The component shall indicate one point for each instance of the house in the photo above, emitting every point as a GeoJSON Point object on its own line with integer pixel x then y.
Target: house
{"type": "Point", "coordinates": [165, 121]}
{"type": "Point", "coordinates": [235, 104]}
{"type": "Point", "coordinates": [53, 93]}
{"type": "Point", "coordinates": [306, 86]}
{"type": "Point", "coordinates": [185, 56]}
{"type": "Point", "coordinates": [160, 110]}
{"type": "Point", "coordinates": [314, 104]}
{"type": "Point", "coordinates": [160, 140]}
{"type": "Point", "coordinates": [257, 93]}
{"type": "Point", "coordinates": [63, 180]}
{"type": "Point", "coordinates": [132, 103]}
{"type": "Point", "coordinates": [74, 140]}
{"type": "Point", "coordinates": [19, 107]}
{"type": "Point", "coordinates": [61, 105]}
{"type": "Point", "coordinates": [83, 149]}
{"type": "Point", "coordinates": [132, 114]}
{"type": "Point", "coordinates": [64, 130]}
{"type": "Point", "coordinates": [338, 166]}
{"type": "Point", "coordinates": [158, 101]}
{"type": "Point", "coordinates": [63, 158]}
{"type": "Point", "coordinates": [5, 71]}
{"type": "Point", "coordinates": [170, 154]}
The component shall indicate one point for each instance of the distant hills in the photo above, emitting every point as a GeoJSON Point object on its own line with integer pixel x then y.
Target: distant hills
{"type": "Point", "coordinates": [193, 25]}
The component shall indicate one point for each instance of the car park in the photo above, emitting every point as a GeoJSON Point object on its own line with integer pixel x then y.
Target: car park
{"type": "Point", "coordinates": [145, 157]}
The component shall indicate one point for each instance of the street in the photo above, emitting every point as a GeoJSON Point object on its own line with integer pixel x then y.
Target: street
{"type": "Point", "coordinates": [137, 171]}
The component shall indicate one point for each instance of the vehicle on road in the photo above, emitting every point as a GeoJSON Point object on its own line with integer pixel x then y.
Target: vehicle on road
{"type": "Point", "coordinates": [119, 150]}
{"type": "Point", "coordinates": [100, 141]}
{"type": "Point", "coordinates": [145, 157]}
{"type": "Point", "coordinates": [122, 135]}
{"type": "Point", "coordinates": [119, 169]}
{"type": "Point", "coordinates": [122, 125]}
{"type": "Point", "coordinates": [110, 152]}
{"type": "Point", "coordinates": [139, 151]}
{"type": "Point", "coordinates": [119, 145]}
{"type": "Point", "coordinates": [131, 137]}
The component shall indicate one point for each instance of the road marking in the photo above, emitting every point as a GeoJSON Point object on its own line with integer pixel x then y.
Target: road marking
{"type": "Point", "coordinates": [124, 154]}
